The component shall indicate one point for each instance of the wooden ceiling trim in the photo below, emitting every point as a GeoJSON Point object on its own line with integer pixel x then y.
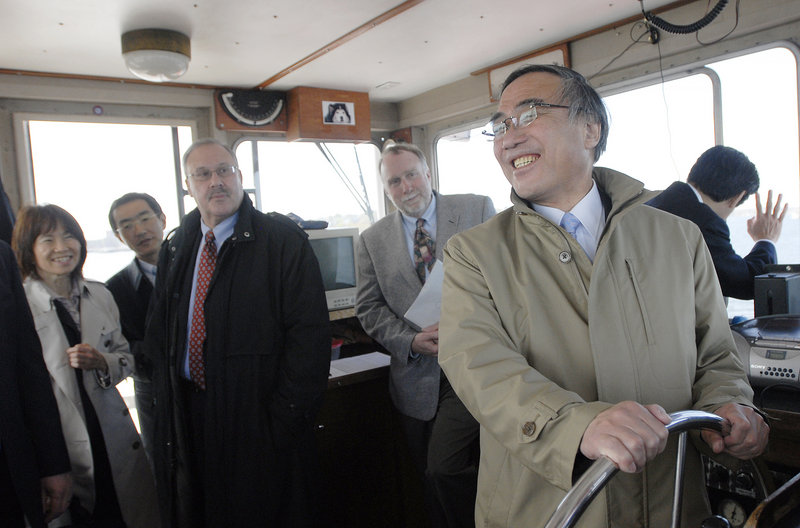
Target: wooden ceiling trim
{"type": "Point", "coordinates": [82, 77]}
{"type": "Point", "coordinates": [360, 30]}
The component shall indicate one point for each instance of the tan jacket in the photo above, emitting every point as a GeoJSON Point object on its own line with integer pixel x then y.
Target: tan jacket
{"type": "Point", "coordinates": [100, 328]}
{"type": "Point", "coordinates": [537, 341]}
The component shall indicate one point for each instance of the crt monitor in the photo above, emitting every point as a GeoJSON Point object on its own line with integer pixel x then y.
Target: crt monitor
{"type": "Point", "coordinates": [335, 249]}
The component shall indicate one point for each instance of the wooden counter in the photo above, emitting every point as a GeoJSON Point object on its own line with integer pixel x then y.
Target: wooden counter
{"type": "Point", "coordinates": [782, 404]}
{"type": "Point", "coordinates": [367, 472]}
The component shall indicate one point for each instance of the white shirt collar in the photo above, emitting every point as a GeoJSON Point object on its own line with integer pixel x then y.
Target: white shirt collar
{"type": "Point", "coordinates": [429, 215]}
{"type": "Point", "coordinates": [222, 231]}
{"type": "Point", "coordinates": [589, 211]}
{"type": "Point", "coordinates": [591, 215]}
{"type": "Point", "coordinates": [696, 192]}
{"type": "Point", "coordinates": [149, 270]}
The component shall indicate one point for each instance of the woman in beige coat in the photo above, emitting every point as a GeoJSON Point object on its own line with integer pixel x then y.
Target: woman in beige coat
{"type": "Point", "coordinates": [86, 356]}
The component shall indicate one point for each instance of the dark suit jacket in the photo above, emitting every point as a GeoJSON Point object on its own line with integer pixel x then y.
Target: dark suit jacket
{"type": "Point", "coordinates": [31, 438]}
{"type": "Point", "coordinates": [6, 216]}
{"type": "Point", "coordinates": [736, 274]}
{"type": "Point", "coordinates": [388, 285]}
{"type": "Point", "coordinates": [132, 292]}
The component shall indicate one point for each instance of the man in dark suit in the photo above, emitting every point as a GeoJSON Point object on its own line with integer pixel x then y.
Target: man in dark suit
{"type": "Point", "coordinates": [240, 339]}
{"type": "Point", "coordinates": [34, 464]}
{"type": "Point", "coordinates": [722, 179]}
{"type": "Point", "coordinates": [6, 216]}
{"type": "Point", "coordinates": [393, 263]}
{"type": "Point", "coordinates": [138, 222]}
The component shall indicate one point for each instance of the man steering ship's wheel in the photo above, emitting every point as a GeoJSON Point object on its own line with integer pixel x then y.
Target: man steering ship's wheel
{"type": "Point", "coordinates": [600, 472]}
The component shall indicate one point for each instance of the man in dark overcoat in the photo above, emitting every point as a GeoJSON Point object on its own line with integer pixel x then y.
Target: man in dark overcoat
{"type": "Point", "coordinates": [240, 342]}
{"type": "Point", "coordinates": [34, 464]}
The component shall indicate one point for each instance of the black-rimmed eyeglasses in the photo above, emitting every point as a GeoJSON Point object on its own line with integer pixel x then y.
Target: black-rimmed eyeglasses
{"type": "Point", "coordinates": [526, 116]}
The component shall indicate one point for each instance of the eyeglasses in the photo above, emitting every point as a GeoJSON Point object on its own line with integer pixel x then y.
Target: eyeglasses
{"type": "Point", "coordinates": [128, 226]}
{"type": "Point", "coordinates": [203, 174]}
{"type": "Point", "coordinates": [526, 116]}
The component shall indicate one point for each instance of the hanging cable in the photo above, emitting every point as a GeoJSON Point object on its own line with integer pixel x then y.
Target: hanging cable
{"type": "Point", "coordinates": [636, 40]}
{"type": "Point", "coordinates": [723, 37]}
{"type": "Point", "coordinates": [662, 24]}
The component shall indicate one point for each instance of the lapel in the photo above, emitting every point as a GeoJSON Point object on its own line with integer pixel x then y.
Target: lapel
{"type": "Point", "coordinates": [95, 321]}
{"type": "Point", "coordinates": [141, 287]}
{"type": "Point", "coordinates": [53, 339]}
{"type": "Point", "coordinates": [447, 217]}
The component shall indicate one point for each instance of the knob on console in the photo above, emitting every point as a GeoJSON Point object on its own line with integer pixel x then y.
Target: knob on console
{"type": "Point", "coordinates": [743, 481]}
{"type": "Point", "coordinates": [715, 522]}
{"type": "Point", "coordinates": [718, 477]}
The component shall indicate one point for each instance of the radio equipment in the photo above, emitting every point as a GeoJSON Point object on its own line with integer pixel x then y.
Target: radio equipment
{"type": "Point", "coordinates": [769, 347]}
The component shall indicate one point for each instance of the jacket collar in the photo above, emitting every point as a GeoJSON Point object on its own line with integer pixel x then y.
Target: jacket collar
{"type": "Point", "coordinates": [41, 299]}
{"type": "Point", "coordinates": [242, 231]}
{"type": "Point", "coordinates": [617, 191]}
{"type": "Point", "coordinates": [134, 273]}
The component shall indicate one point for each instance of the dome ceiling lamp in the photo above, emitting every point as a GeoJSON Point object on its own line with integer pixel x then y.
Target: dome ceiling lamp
{"type": "Point", "coordinates": [156, 55]}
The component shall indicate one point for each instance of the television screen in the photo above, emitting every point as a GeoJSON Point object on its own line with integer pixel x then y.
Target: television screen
{"type": "Point", "coordinates": [336, 262]}
{"type": "Point", "coordinates": [335, 252]}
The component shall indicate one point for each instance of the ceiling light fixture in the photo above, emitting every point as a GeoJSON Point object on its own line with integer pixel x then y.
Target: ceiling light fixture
{"type": "Point", "coordinates": [156, 55]}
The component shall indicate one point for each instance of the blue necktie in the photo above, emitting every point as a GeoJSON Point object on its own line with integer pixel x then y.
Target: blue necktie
{"type": "Point", "coordinates": [571, 223]}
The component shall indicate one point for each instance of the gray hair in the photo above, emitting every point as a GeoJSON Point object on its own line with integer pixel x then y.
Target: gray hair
{"type": "Point", "coordinates": [575, 91]}
{"type": "Point", "coordinates": [396, 148]}
{"type": "Point", "coordinates": [207, 141]}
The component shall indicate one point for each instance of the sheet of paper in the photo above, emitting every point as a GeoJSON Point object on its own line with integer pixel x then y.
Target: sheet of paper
{"type": "Point", "coordinates": [427, 307]}
{"type": "Point", "coordinates": [351, 365]}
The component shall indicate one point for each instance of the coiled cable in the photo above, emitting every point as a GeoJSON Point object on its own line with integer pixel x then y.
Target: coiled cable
{"type": "Point", "coordinates": [684, 29]}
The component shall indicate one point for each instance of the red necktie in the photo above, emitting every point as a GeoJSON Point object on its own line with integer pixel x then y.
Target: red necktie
{"type": "Point", "coordinates": [205, 269]}
{"type": "Point", "coordinates": [423, 250]}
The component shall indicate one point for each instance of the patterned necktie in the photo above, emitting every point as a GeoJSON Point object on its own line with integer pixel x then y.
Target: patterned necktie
{"type": "Point", "coordinates": [205, 269]}
{"type": "Point", "coordinates": [424, 250]}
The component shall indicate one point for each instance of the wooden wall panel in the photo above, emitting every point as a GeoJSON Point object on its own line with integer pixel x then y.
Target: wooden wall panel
{"type": "Point", "coordinates": [310, 108]}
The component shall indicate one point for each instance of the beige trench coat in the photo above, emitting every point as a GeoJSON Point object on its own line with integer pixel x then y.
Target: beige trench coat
{"type": "Point", "coordinates": [100, 327]}
{"type": "Point", "coordinates": [537, 341]}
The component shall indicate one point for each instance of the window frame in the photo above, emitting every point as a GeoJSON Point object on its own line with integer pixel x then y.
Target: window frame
{"type": "Point", "coordinates": [24, 155]}
{"type": "Point", "coordinates": [380, 207]}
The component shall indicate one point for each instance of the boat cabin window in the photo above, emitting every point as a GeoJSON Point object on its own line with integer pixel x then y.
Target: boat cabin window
{"type": "Point", "coordinates": [334, 182]}
{"type": "Point", "coordinates": [658, 131]}
{"type": "Point", "coordinates": [83, 167]}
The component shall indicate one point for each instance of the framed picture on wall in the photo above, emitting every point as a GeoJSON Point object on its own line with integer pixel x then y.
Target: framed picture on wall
{"type": "Point", "coordinates": [338, 113]}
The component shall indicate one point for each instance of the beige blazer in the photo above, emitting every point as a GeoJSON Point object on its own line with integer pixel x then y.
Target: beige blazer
{"type": "Point", "coordinates": [100, 328]}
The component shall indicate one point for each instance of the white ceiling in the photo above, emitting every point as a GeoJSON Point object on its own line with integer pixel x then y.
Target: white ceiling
{"type": "Point", "coordinates": [242, 43]}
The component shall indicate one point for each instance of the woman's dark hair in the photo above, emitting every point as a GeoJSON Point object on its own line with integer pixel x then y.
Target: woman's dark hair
{"type": "Point", "coordinates": [36, 220]}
